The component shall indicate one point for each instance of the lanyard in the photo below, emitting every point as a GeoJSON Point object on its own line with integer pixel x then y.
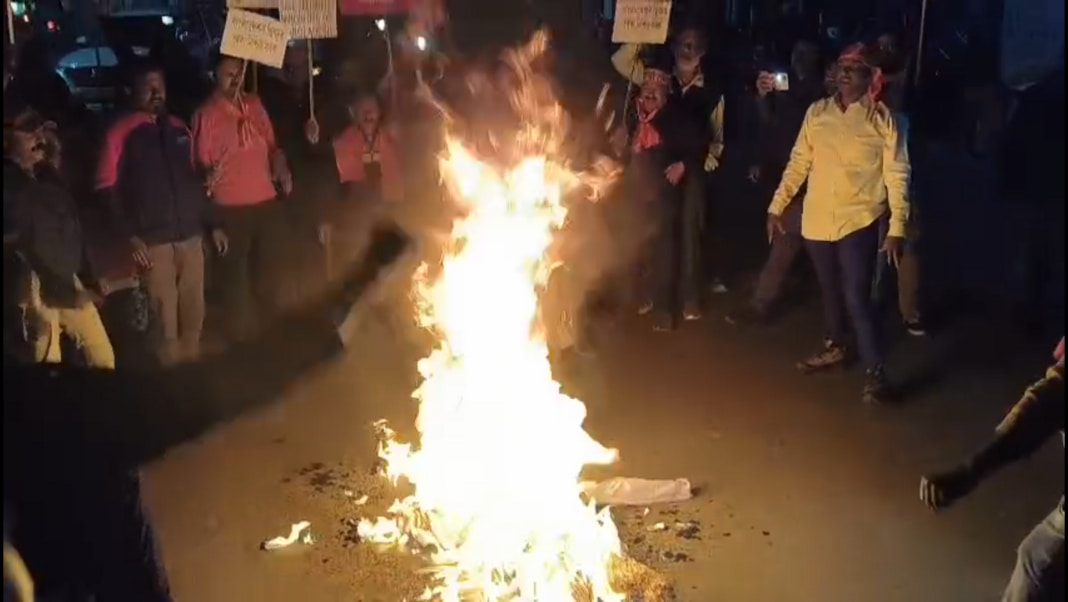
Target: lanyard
{"type": "Point", "coordinates": [370, 144]}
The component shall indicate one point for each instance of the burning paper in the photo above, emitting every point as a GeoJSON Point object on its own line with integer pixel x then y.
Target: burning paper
{"type": "Point", "coordinates": [297, 532]}
{"type": "Point", "coordinates": [496, 506]}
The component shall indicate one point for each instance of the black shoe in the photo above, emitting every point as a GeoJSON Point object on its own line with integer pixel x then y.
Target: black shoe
{"type": "Point", "coordinates": [747, 315]}
{"type": "Point", "coordinates": [915, 328]}
{"type": "Point", "coordinates": [876, 387]}
{"type": "Point", "coordinates": [831, 356]}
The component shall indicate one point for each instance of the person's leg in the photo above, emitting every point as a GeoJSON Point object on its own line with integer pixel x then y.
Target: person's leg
{"type": "Point", "coordinates": [784, 251]}
{"type": "Point", "coordinates": [189, 258]}
{"type": "Point", "coordinates": [44, 323]}
{"type": "Point", "coordinates": [855, 253]}
{"type": "Point", "coordinates": [131, 567]}
{"type": "Point", "coordinates": [234, 271]}
{"type": "Point", "coordinates": [692, 277]}
{"type": "Point", "coordinates": [1039, 572]}
{"type": "Point", "coordinates": [824, 256]}
{"type": "Point", "coordinates": [161, 282]}
{"type": "Point", "coordinates": [909, 284]}
{"type": "Point", "coordinates": [667, 261]}
{"type": "Point", "coordinates": [271, 238]}
{"type": "Point", "coordinates": [84, 326]}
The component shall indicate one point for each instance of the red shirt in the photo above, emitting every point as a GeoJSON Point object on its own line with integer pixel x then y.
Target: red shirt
{"type": "Point", "coordinates": [353, 152]}
{"type": "Point", "coordinates": [236, 143]}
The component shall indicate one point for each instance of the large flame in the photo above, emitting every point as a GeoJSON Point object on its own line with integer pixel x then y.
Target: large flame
{"type": "Point", "coordinates": [496, 503]}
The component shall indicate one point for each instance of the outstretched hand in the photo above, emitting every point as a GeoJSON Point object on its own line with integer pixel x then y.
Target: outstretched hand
{"type": "Point", "coordinates": [942, 490]}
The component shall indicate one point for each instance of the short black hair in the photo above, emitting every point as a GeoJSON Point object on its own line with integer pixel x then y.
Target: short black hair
{"type": "Point", "coordinates": [139, 70]}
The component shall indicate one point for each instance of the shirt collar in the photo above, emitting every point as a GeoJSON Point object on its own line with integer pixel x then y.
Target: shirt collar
{"type": "Point", "coordinates": [698, 81]}
{"type": "Point", "coordinates": [865, 103]}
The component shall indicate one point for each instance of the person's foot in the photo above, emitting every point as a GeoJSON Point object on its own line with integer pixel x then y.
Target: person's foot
{"type": "Point", "coordinates": [664, 323]}
{"type": "Point", "coordinates": [645, 308]}
{"type": "Point", "coordinates": [876, 387]}
{"type": "Point", "coordinates": [747, 315]}
{"type": "Point", "coordinates": [718, 287]}
{"type": "Point", "coordinates": [832, 355]}
{"type": "Point", "coordinates": [915, 328]}
{"type": "Point", "coordinates": [692, 312]}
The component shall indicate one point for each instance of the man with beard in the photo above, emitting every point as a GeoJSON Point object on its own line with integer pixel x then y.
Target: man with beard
{"type": "Point", "coordinates": [1037, 417]}
{"type": "Point", "coordinates": [43, 244]}
{"type": "Point", "coordinates": [856, 165]}
{"type": "Point", "coordinates": [700, 104]}
{"type": "Point", "coordinates": [235, 144]}
{"type": "Point", "coordinates": [157, 203]}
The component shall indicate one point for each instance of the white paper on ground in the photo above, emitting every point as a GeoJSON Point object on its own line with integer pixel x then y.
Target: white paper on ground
{"type": "Point", "coordinates": [626, 491]}
{"type": "Point", "coordinates": [298, 532]}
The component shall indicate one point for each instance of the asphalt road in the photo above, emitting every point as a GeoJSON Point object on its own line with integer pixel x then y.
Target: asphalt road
{"type": "Point", "coordinates": [803, 494]}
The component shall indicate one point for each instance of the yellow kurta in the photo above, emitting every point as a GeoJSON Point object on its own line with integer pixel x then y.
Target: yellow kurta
{"type": "Point", "coordinates": [857, 165]}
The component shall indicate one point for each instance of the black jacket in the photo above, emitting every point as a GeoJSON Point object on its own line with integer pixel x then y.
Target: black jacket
{"type": "Point", "coordinates": [695, 105]}
{"type": "Point", "coordinates": [48, 229]}
{"type": "Point", "coordinates": [680, 140]}
{"type": "Point", "coordinates": [777, 119]}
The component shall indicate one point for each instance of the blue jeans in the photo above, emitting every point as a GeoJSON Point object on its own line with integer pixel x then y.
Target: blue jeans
{"type": "Point", "coordinates": [844, 269]}
{"type": "Point", "coordinates": [1039, 572]}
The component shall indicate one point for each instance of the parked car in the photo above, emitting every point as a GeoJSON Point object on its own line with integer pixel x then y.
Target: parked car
{"type": "Point", "coordinates": [92, 73]}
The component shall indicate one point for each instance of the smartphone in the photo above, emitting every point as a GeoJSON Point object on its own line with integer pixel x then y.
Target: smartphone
{"type": "Point", "coordinates": [782, 82]}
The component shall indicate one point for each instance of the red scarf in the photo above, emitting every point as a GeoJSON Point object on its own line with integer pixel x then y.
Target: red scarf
{"type": "Point", "coordinates": [247, 131]}
{"type": "Point", "coordinates": [1058, 353]}
{"type": "Point", "coordinates": [647, 136]}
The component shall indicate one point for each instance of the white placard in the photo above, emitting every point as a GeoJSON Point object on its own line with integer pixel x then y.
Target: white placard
{"type": "Point", "coordinates": [255, 38]}
{"type": "Point", "coordinates": [641, 21]}
{"type": "Point", "coordinates": [253, 4]}
{"type": "Point", "coordinates": [309, 19]}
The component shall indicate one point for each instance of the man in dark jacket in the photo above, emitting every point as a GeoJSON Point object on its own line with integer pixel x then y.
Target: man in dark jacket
{"type": "Point", "coordinates": [665, 149]}
{"type": "Point", "coordinates": [777, 117]}
{"type": "Point", "coordinates": [74, 439]}
{"type": "Point", "coordinates": [1034, 420]}
{"type": "Point", "coordinates": [43, 234]}
{"type": "Point", "coordinates": [159, 204]}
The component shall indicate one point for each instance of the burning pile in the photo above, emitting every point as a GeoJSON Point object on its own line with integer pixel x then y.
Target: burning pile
{"type": "Point", "coordinates": [496, 504]}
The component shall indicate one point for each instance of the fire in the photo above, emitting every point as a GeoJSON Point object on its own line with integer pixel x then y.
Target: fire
{"type": "Point", "coordinates": [496, 505]}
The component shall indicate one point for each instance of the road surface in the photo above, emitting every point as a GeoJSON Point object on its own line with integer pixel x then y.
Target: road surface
{"type": "Point", "coordinates": [804, 495]}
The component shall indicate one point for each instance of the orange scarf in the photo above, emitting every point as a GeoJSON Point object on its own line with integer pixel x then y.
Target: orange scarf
{"type": "Point", "coordinates": [858, 54]}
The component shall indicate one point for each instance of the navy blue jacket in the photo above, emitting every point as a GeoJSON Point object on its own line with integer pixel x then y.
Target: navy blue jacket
{"type": "Point", "coordinates": [148, 174]}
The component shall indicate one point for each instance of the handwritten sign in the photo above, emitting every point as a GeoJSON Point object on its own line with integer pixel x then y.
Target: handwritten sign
{"type": "Point", "coordinates": [641, 21]}
{"type": "Point", "coordinates": [253, 4]}
{"type": "Point", "coordinates": [309, 19]}
{"type": "Point", "coordinates": [254, 37]}
{"type": "Point", "coordinates": [374, 7]}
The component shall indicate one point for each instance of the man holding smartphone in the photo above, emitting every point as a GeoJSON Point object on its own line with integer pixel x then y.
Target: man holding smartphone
{"type": "Point", "coordinates": [779, 109]}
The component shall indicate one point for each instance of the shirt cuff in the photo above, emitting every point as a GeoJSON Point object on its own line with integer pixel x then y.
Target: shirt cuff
{"type": "Point", "coordinates": [777, 206]}
{"type": "Point", "coordinates": [896, 229]}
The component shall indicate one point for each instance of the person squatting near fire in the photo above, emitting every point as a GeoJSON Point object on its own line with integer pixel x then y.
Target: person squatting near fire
{"type": "Point", "coordinates": [368, 164]}
{"type": "Point", "coordinates": [75, 437]}
{"type": "Point", "coordinates": [777, 117]}
{"type": "Point", "coordinates": [700, 104]}
{"type": "Point", "coordinates": [235, 144]}
{"type": "Point", "coordinates": [661, 143]}
{"type": "Point", "coordinates": [149, 181]}
{"type": "Point", "coordinates": [1039, 414]}
{"type": "Point", "coordinates": [44, 245]}
{"type": "Point", "coordinates": [856, 164]}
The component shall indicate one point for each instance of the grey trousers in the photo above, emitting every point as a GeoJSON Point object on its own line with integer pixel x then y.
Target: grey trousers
{"type": "Point", "coordinates": [1039, 572]}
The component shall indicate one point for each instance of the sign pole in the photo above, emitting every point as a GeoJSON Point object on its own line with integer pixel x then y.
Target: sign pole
{"type": "Point", "coordinates": [311, 81]}
{"type": "Point", "coordinates": [9, 14]}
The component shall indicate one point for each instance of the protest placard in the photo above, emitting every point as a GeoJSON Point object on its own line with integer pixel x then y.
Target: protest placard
{"type": "Point", "coordinates": [374, 7]}
{"type": "Point", "coordinates": [254, 37]}
{"type": "Point", "coordinates": [641, 21]}
{"type": "Point", "coordinates": [309, 19]}
{"type": "Point", "coordinates": [252, 4]}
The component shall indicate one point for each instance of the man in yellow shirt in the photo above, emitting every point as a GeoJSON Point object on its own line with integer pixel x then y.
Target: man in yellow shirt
{"type": "Point", "coordinates": [857, 167]}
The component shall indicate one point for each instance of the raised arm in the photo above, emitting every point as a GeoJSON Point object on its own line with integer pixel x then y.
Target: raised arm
{"type": "Point", "coordinates": [628, 64]}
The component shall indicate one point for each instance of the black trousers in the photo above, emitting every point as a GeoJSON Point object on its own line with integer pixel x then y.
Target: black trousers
{"type": "Point", "coordinates": [250, 271]}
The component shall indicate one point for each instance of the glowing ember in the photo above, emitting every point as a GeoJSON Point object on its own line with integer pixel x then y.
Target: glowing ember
{"type": "Point", "coordinates": [496, 503]}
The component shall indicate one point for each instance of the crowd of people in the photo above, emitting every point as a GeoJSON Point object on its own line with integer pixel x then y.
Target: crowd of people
{"type": "Point", "coordinates": [262, 199]}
